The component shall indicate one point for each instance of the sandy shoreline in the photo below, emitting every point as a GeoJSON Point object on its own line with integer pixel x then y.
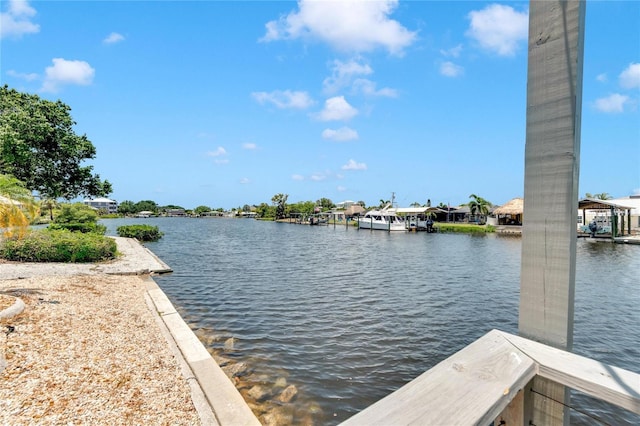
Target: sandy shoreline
{"type": "Point", "coordinates": [87, 350]}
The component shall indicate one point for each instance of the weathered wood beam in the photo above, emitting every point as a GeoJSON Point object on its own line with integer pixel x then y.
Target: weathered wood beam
{"type": "Point", "coordinates": [492, 378]}
{"type": "Point", "coordinates": [601, 381]}
{"type": "Point", "coordinates": [552, 157]}
{"type": "Point", "coordinates": [472, 386]}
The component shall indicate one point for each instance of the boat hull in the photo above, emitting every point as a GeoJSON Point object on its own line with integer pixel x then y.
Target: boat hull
{"type": "Point", "coordinates": [381, 226]}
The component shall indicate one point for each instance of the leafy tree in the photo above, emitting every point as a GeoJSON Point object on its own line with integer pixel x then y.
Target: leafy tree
{"type": "Point", "coordinates": [39, 147]}
{"type": "Point", "coordinates": [127, 207]}
{"type": "Point", "coordinates": [325, 204]}
{"type": "Point", "coordinates": [479, 205]}
{"type": "Point", "coordinates": [201, 209]}
{"type": "Point", "coordinates": [17, 207]}
{"type": "Point", "coordinates": [280, 201]}
{"type": "Point", "coordinates": [146, 206]}
{"type": "Point", "coordinates": [264, 210]}
{"type": "Point", "coordinates": [414, 204]}
{"type": "Point", "coordinates": [305, 207]}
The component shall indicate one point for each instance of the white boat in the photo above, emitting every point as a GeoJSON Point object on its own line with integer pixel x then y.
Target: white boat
{"type": "Point", "coordinates": [382, 220]}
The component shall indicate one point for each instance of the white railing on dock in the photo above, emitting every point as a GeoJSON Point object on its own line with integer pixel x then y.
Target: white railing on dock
{"type": "Point", "coordinates": [487, 381]}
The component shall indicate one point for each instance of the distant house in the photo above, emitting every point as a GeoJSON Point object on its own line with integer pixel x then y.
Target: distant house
{"type": "Point", "coordinates": [621, 214]}
{"type": "Point", "coordinates": [175, 212]}
{"type": "Point", "coordinates": [509, 213]}
{"type": "Point", "coordinates": [345, 204]}
{"type": "Point", "coordinates": [102, 204]}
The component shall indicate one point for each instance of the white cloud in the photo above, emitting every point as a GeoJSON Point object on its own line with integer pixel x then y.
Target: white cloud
{"type": "Point", "coordinates": [64, 72]}
{"type": "Point", "coordinates": [346, 25]}
{"type": "Point", "coordinates": [341, 188]}
{"type": "Point", "coordinates": [453, 52]}
{"type": "Point", "coordinates": [23, 76]}
{"type": "Point", "coordinates": [353, 165]}
{"type": "Point", "coordinates": [249, 146]}
{"type": "Point", "coordinates": [368, 88]}
{"type": "Point", "coordinates": [449, 69]}
{"type": "Point", "coordinates": [317, 177]}
{"type": "Point", "coordinates": [602, 78]}
{"type": "Point", "coordinates": [245, 181]}
{"type": "Point", "coordinates": [220, 151]}
{"type": "Point", "coordinates": [342, 74]}
{"type": "Point", "coordinates": [630, 77]}
{"type": "Point", "coordinates": [284, 99]}
{"type": "Point", "coordinates": [613, 103]}
{"type": "Point", "coordinates": [297, 177]}
{"type": "Point", "coordinates": [342, 134]}
{"type": "Point", "coordinates": [499, 28]}
{"type": "Point", "coordinates": [336, 108]}
{"type": "Point", "coordinates": [113, 38]}
{"type": "Point", "coordinates": [16, 21]}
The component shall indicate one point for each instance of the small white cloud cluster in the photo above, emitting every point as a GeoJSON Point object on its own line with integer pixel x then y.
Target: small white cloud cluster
{"type": "Point", "coordinates": [346, 25]}
{"type": "Point", "coordinates": [64, 72]}
{"type": "Point", "coordinates": [219, 155]}
{"type": "Point", "coordinates": [113, 38]}
{"type": "Point", "coordinates": [16, 21]}
{"type": "Point", "coordinates": [615, 103]}
{"type": "Point", "coordinates": [498, 29]}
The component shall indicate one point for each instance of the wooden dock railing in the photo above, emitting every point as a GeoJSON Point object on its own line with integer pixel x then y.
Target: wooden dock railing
{"type": "Point", "coordinates": [490, 380]}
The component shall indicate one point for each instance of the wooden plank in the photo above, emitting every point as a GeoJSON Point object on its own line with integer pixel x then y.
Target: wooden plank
{"type": "Point", "coordinates": [472, 386]}
{"type": "Point", "coordinates": [608, 383]}
{"type": "Point", "coordinates": [552, 153]}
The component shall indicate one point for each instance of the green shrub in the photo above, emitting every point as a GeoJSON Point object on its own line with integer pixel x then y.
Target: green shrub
{"type": "Point", "coordinates": [76, 213]}
{"type": "Point", "coordinates": [78, 217]}
{"type": "Point", "coordinates": [140, 232]}
{"type": "Point", "coordinates": [59, 246]}
{"type": "Point", "coordinates": [87, 227]}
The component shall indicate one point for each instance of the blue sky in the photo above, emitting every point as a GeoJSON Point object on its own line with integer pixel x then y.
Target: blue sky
{"type": "Point", "coordinates": [223, 103]}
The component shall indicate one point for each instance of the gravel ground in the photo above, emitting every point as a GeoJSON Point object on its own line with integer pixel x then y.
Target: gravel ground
{"type": "Point", "coordinates": [87, 350]}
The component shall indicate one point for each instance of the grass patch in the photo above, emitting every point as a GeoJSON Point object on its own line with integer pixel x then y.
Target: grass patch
{"type": "Point", "coordinates": [59, 246]}
{"type": "Point", "coordinates": [466, 228]}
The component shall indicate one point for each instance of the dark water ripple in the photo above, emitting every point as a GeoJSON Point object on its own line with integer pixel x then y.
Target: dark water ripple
{"type": "Point", "coordinates": [349, 316]}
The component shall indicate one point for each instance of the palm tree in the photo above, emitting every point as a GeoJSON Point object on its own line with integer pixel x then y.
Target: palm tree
{"type": "Point", "coordinates": [479, 205]}
{"type": "Point", "coordinates": [601, 196]}
{"type": "Point", "coordinates": [384, 202]}
{"type": "Point", "coordinates": [17, 206]}
{"type": "Point", "coordinates": [49, 204]}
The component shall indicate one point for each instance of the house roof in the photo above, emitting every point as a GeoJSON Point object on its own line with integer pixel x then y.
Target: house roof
{"type": "Point", "coordinates": [515, 206]}
{"type": "Point", "coordinates": [5, 200]}
{"type": "Point", "coordinates": [596, 204]}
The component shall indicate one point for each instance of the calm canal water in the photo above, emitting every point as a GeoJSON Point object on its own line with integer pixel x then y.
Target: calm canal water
{"type": "Point", "coordinates": [348, 316]}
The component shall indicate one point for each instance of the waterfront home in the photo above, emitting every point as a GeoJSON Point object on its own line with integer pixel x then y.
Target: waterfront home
{"type": "Point", "coordinates": [508, 214]}
{"type": "Point", "coordinates": [618, 217]}
{"type": "Point", "coordinates": [102, 204]}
